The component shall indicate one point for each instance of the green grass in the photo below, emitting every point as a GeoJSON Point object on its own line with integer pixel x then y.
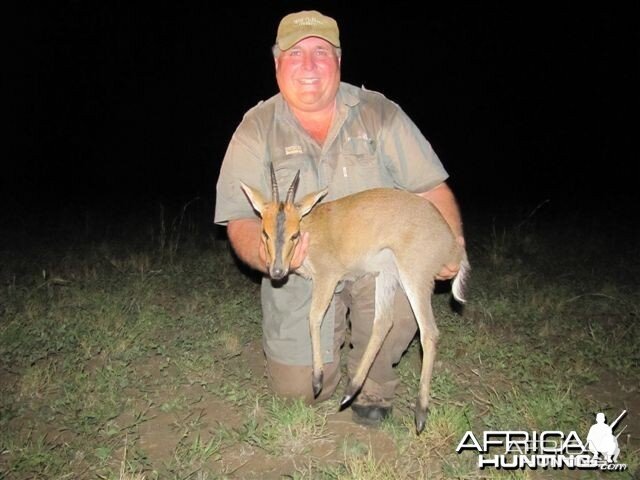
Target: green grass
{"type": "Point", "coordinates": [289, 427]}
{"type": "Point", "coordinates": [136, 354]}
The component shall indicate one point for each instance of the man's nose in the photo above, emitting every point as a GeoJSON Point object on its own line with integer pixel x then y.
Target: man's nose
{"type": "Point", "coordinates": [308, 62]}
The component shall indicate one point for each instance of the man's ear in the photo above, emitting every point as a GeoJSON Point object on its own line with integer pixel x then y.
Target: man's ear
{"type": "Point", "coordinates": [255, 198]}
{"type": "Point", "coordinates": [308, 202]}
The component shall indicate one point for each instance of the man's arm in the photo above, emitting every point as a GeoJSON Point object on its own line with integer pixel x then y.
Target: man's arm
{"type": "Point", "coordinates": [443, 199]}
{"type": "Point", "coordinates": [244, 235]}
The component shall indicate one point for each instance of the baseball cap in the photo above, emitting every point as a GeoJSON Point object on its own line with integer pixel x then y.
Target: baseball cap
{"type": "Point", "coordinates": [308, 23]}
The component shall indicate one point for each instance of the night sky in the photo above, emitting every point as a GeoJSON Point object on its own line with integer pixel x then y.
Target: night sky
{"type": "Point", "coordinates": [138, 101]}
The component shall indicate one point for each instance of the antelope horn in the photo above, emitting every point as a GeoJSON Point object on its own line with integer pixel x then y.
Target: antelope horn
{"type": "Point", "coordinates": [292, 189]}
{"type": "Point", "coordinates": [275, 197]}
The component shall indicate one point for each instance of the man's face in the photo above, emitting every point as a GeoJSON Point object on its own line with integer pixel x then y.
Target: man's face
{"type": "Point", "coordinates": [308, 74]}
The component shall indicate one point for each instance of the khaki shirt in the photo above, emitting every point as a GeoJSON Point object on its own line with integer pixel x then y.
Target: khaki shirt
{"type": "Point", "coordinates": [371, 143]}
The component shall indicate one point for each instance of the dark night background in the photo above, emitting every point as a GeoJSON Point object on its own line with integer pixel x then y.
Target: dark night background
{"type": "Point", "coordinates": [114, 102]}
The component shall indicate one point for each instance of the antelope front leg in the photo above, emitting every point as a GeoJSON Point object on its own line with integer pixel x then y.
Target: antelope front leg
{"type": "Point", "coordinates": [380, 331]}
{"type": "Point", "coordinates": [322, 295]}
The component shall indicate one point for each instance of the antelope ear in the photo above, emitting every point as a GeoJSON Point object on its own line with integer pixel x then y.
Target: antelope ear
{"type": "Point", "coordinates": [309, 201]}
{"type": "Point", "coordinates": [255, 198]}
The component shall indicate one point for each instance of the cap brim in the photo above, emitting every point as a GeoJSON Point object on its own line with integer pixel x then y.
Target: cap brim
{"type": "Point", "coordinates": [289, 41]}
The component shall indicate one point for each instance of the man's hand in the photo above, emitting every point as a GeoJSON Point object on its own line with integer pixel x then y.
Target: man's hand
{"type": "Point", "coordinates": [262, 256]}
{"type": "Point", "coordinates": [450, 270]}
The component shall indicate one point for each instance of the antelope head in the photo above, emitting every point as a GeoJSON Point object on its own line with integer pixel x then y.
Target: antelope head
{"type": "Point", "coordinates": [281, 222]}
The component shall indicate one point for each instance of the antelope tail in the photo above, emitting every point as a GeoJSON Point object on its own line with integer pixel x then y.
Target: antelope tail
{"type": "Point", "coordinates": [457, 288]}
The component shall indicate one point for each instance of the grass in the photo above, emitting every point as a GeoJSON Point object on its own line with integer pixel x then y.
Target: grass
{"type": "Point", "coordinates": [132, 351]}
{"type": "Point", "coordinates": [289, 428]}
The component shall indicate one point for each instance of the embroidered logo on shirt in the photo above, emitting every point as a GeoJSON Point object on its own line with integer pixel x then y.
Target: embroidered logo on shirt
{"type": "Point", "coordinates": [292, 149]}
{"type": "Point", "coordinates": [361, 136]}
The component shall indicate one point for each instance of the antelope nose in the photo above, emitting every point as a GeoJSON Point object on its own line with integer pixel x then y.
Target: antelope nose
{"type": "Point", "coordinates": [277, 273]}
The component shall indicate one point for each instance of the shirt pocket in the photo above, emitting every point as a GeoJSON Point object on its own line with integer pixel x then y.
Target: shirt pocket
{"type": "Point", "coordinates": [286, 167]}
{"type": "Point", "coordinates": [359, 168]}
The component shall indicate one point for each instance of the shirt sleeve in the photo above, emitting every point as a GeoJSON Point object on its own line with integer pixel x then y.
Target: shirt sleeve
{"type": "Point", "coordinates": [244, 162]}
{"type": "Point", "coordinates": [408, 155]}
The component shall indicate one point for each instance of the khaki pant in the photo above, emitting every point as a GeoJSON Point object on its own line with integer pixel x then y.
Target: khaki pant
{"type": "Point", "coordinates": [358, 299]}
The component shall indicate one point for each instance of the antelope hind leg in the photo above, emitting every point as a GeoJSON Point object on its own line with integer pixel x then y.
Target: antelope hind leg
{"type": "Point", "coordinates": [419, 289]}
{"type": "Point", "coordinates": [422, 404]}
{"type": "Point", "coordinates": [420, 301]}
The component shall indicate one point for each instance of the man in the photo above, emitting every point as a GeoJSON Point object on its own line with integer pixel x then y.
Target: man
{"type": "Point", "coordinates": [348, 139]}
{"type": "Point", "coordinates": [601, 439]}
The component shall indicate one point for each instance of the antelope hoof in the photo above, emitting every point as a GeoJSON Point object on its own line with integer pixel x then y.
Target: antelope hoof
{"type": "Point", "coordinates": [421, 419]}
{"type": "Point", "coordinates": [346, 400]}
{"type": "Point", "coordinates": [349, 395]}
{"type": "Point", "coordinates": [317, 384]}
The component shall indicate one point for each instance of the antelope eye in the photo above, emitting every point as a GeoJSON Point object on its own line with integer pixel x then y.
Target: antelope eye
{"type": "Point", "coordinates": [265, 235]}
{"type": "Point", "coordinates": [295, 236]}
